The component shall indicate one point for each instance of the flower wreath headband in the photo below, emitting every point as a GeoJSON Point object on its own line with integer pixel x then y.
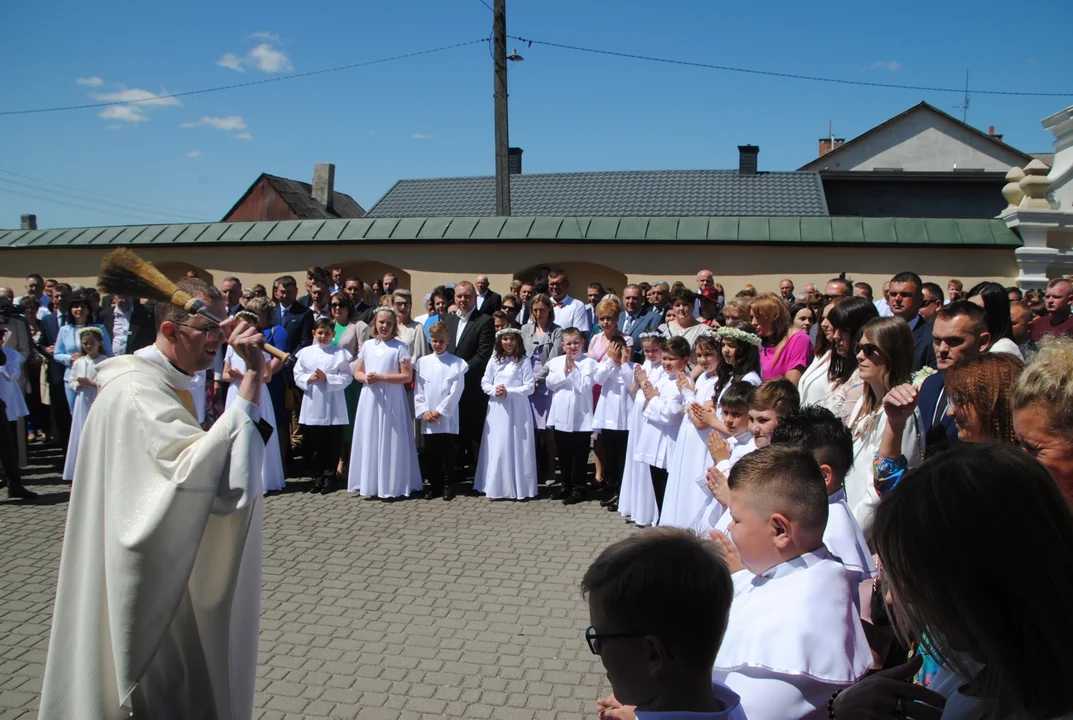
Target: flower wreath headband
{"type": "Point", "coordinates": [248, 316]}
{"type": "Point", "coordinates": [91, 330]}
{"type": "Point", "coordinates": [508, 331]}
{"type": "Point", "coordinates": [386, 308]}
{"type": "Point", "coordinates": [739, 335]}
{"type": "Point", "coordinates": [651, 334]}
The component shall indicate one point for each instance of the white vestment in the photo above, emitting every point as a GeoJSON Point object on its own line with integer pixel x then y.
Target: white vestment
{"type": "Point", "coordinates": [684, 500]}
{"type": "Point", "coordinates": [637, 497]}
{"type": "Point", "coordinates": [83, 367]}
{"type": "Point", "coordinates": [506, 466]}
{"type": "Point", "coordinates": [793, 638]}
{"type": "Point", "coordinates": [845, 539]}
{"type": "Point", "coordinates": [158, 599]}
{"type": "Point", "coordinates": [438, 385]}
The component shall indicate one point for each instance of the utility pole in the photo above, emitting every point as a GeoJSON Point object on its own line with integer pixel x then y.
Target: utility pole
{"type": "Point", "coordinates": [499, 51]}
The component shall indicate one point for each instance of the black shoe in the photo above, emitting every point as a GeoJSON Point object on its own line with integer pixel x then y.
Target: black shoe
{"type": "Point", "coordinates": [314, 487]}
{"type": "Point", "coordinates": [611, 504]}
{"type": "Point", "coordinates": [560, 494]}
{"type": "Point", "coordinates": [575, 497]}
{"type": "Point", "coordinates": [448, 493]}
{"type": "Point", "coordinates": [20, 493]}
{"type": "Point", "coordinates": [431, 494]}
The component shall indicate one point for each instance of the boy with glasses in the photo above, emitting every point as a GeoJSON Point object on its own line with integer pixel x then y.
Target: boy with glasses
{"type": "Point", "coordinates": [659, 663]}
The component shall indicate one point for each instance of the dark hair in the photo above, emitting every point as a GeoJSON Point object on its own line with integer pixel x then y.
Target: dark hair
{"type": "Point", "coordinates": [519, 347]}
{"type": "Point", "coordinates": [738, 394]}
{"type": "Point", "coordinates": [634, 582]}
{"type": "Point", "coordinates": [974, 312]}
{"type": "Point", "coordinates": [789, 477]}
{"type": "Point", "coordinates": [866, 287]}
{"type": "Point", "coordinates": [686, 297]}
{"type": "Point", "coordinates": [1013, 647]}
{"type": "Point", "coordinates": [997, 306]}
{"type": "Point", "coordinates": [316, 272]}
{"type": "Point", "coordinates": [343, 299]}
{"type": "Point", "coordinates": [850, 316]}
{"type": "Point", "coordinates": [798, 307]}
{"type": "Point", "coordinates": [1016, 290]}
{"type": "Point", "coordinates": [847, 286]}
{"type": "Point", "coordinates": [285, 281]}
{"type": "Point", "coordinates": [906, 277]}
{"type": "Point", "coordinates": [679, 347]}
{"type": "Point", "coordinates": [778, 394]}
{"type": "Point", "coordinates": [748, 360]}
{"type": "Point", "coordinates": [935, 290]}
{"type": "Point", "coordinates": [324, 323]}
{"type": "Point", "coordinates": [822, 433]}
{"type": "Point", "coordinates": [707, 342]}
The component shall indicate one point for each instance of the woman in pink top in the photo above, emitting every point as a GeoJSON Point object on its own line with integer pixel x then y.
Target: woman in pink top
{"type": "Point", "coordinates": [786, 352]}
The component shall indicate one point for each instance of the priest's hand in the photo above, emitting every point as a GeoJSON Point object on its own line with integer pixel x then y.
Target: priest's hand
{"type": "Point", "coordinates": [248, 343]}
{"type": "Point", "coordinates": [890, 693]}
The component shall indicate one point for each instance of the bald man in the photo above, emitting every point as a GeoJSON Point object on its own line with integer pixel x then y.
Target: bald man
{"type": "Point", "coordinates": [488, 301]}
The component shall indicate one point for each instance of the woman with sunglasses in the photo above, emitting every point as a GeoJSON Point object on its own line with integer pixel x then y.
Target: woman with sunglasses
{"type": "Point", "coordinates": [884, 361]}
{"type": "Point", "coordinates": [69, 343]}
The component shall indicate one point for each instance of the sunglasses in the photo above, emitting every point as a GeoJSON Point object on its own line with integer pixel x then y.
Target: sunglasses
{"type": "Point", "coordinates": [509, 308]}
{"type": "Point", "coordinates": [868, 349]}
{"type": "Point", "coordinates": [338, 305]}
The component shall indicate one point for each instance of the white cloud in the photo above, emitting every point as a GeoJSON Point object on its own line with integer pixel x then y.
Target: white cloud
{"type": "Point", "coordinates": [265, 35]}
{"type": "Point", "coordinates": [891, 65]}
{"type": "Point", "coordinates": [193, 153]}
{"type": "Point", "coordinates": [421, 136]}
{"type": "Point", "coordinates": [94, 81]}
{"type": "Point", "coordinates": [127, 113]}
{"type": "Point", "coordinates": [143, 98]}
{"type": "Point", "coordinates": [231, 122]}
{"type": "Point", "coordinates": [264, 57]}
{"type": "Point", "coordinates": [244, 136]}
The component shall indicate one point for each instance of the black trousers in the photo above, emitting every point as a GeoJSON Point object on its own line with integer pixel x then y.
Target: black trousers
{"type": "Point", "coordinates": [9, 449]}
{"type": "Point", "coordinates": [322, 449]}
{"type": "Point", "coordinates": [61, 413]}
{"type": "Point", "coordinates": [438, 459]}
{"type": "Point", "coordinates": [472, 409]}
{"type": "Point", "coordinates": [614, 456]}
{"type": "Point", "coordinates": [572, 451]}
{"type": "Point", "coordinates": [659, 484]}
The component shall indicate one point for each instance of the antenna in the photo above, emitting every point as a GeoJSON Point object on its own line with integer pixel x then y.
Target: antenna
{"type": "Point", "coordinates": [964, 107]}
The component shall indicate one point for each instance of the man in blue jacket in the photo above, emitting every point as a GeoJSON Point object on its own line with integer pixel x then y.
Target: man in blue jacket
{"type": "Point", "coordinates": [635, 321]}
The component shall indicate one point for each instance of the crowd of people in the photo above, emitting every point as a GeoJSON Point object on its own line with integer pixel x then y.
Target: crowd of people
{"type": "Point", "coordinates": [793, 434]}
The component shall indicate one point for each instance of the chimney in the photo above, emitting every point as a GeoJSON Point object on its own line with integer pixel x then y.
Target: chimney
{"type": "Point", "coordinates": [747, 159]}
{"type": "Point", "coordinates": [29, 222]}
{"type": "Point", "coordinates": [828, 144]}
{"type": "Point", "coordinates": [324, 185]}
{"type": "Point", "coordinates": [514, 161]}
{"type": "Point", "coordinates": [991, 134]}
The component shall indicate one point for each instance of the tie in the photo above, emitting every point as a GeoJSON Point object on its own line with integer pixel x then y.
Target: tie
{"type": "Point", "coordinates": [187, 399]}
{"type": "Point", "coordinates": [628, 325]}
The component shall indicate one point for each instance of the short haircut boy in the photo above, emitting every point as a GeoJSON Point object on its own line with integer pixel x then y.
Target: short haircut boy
{"type": "Point", "coordinates": [790, 481]}
{"type": "Point", "coordinates": [572, 332]}
{"type": "Point", "coordinates": [738, 396]}
{"type": "Point", "coordinates": [819, 431]}
{"type": "Point", "coordinates": [324, 323]}
{"type": "Point", "coordinates": [779, 395]}
{"type": "Point", "coordinates": [668, 582]}
{"type": "Point", "coordinates": [438, 329]}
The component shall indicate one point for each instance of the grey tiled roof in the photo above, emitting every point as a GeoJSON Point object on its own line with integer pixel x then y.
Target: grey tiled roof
{"type": "Point", "coordinates": [299, 197]}
{"type": "Point", "coordinates": [628, 193]}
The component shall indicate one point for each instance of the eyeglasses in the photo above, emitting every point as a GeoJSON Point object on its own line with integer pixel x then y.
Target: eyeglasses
{"type": "Point", "coordinates": [402, 303]}
{"type": "Point", "coordinates": [209, 330]}
{"type": "Point", "coordinates": [868, 349]}
{"type": "Point", "coordinates": [596, 640]}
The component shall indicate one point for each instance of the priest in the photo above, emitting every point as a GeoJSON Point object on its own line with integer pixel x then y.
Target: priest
{"type": "Point", "coordinates": [158, 599]}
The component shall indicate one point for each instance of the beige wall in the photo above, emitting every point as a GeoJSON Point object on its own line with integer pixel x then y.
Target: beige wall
{"type": "Point", "coordinates": [424, 266]}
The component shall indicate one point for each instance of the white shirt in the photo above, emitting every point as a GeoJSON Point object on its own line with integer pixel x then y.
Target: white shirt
{"type": "Point", "coordinates": [883, 307]}
{"type": "Point", "coordinates": [570, 313]}
{"type": "Point", "coordinates": [120, 330]}
{"type": "Point", "coordinates": [462, 320]}
{"type": "Point", "coordinates": [438, 384]}
{"type": "Point", "coordinates": [481, 297]}
{"type": "Point", "coordinates": [616, 401]}
{"type": "Point", "coordinates": [323, 403]}
{"type": "Point", "coordinates": [571, 401]}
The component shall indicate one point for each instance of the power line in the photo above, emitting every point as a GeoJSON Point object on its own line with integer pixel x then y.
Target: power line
{"type": "Point", "coordinates": [790, 76]}
{"type": "Point", "coordinates": [76, 205]}
{"type": "Point", "coordinates": [482, 2]}
{"type": "Point", "coordinates": [251, 83]}
{"type": "Point", "coordinates": [122, 203]}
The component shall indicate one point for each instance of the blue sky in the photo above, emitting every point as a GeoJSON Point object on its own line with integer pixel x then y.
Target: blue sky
{"type": "Point", "coordinates": [431, 116]}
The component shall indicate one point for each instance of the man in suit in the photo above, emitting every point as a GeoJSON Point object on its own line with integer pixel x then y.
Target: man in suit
{"type": "Point", "coordinates": [596, 293]}
{"type": "Point", "coordinates": [50, 323]}
{"type": "Point", "coordinates": [313, 272]}
{"type": "Point", "coordinates": [960, 334]}
{"type": "Point", "coordinates": [905, 296]}
{"type": "Point", "coordinates": [525, 294]}
{"type": "Point", "coordinates": [488, 301]}
{"type": "Point", "coordinates": [295, 318]}
{"type": "Point", "coordinates": [355, 290]}
{"type": "Point", "coordinates": [635, 320]}
{"type": "Point", "coordinates": [130, 325]}
{"type": "Point", "coordinates": [471, 336]}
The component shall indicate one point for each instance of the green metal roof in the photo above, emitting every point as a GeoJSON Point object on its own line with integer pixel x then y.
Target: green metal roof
{"type": "Point", "coordinates": [965, 232]}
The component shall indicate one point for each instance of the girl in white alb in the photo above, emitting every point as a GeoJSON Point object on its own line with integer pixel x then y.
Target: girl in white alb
{"type": "Point", "coordinates": [663, 416]}
{"type": "Point", "coordinates": [683, 499]}
{"type": "Point", "coordinates": [272, 475]}
{"type": "Point", "coordinates": [322, 373]}
{"type": "Point", "coordinates": [383, 454]}
{"type": "Point", "coordinates": [506, 467]}
{"type": "Point", "coordinates": [637, 501]}
{"type": "Point", "coordinates": [83, 381]}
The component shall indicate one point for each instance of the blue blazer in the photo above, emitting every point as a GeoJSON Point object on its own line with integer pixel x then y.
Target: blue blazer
{"type": "Point", "coordinates": [50, 332]}
{"type": "Point", "coordinates": [940, 433]}
{"type": "Point", "coordinates": [298, 326]}
{"type": "Point", "coordinates": [650, 320]}
{"type": "Point", "coordinates": [923, 349]}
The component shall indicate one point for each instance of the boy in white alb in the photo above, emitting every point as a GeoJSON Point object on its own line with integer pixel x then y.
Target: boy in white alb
{"type": "Point", "coordinates": [322, 373]}
{"type": "Point", "coordinates": [570, 378]}
{"type": "Point", "coordinates": [612, 415]}
{"type": "Point", "coordinates": [794, 635]}
{"type": "Point", "coordinates": [438, 383]}
{"type": "Point", "coordinates": [819, 431]}
{"type": "Point", "coordinates": [659, 662]}
{"type": "Point", "coordinates": [724, 453]}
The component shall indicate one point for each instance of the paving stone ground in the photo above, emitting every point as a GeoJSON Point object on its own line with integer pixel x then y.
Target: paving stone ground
{"type": "Point", "coordinates": [408, 610]}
